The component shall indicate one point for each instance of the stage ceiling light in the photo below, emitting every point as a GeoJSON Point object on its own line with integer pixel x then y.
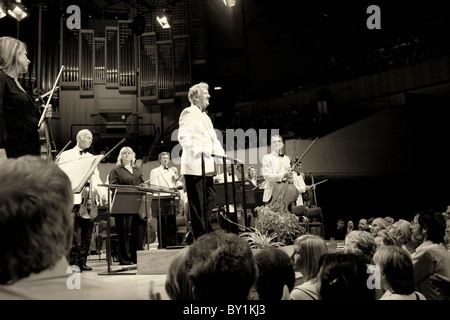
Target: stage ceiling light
{"type": "Point", "coordinates": [163, 18]}
{"type": "Point", "coordinates": [229, 3]}
{"type": "Point", "coordinates": [18, 11]}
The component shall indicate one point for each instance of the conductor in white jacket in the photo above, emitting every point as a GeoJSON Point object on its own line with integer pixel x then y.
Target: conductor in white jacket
{"type": "Point", "coordinates": [197, 136]}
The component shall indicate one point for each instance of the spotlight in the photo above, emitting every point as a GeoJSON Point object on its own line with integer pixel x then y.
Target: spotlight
{"type": "Point", "coordinates": [229, 3]}
{"type": "Point", "coordinates": [163, 18]}
{"type": "Point", "coordinates": [18, 11]}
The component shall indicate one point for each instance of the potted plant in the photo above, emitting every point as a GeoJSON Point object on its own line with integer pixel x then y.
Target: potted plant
{"type": "Point", "coordinates": [284, 225]}
{"type": "Point", "coordinates": [259, 240]}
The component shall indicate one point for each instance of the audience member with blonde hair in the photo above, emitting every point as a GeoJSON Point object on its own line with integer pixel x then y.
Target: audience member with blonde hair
{"type": "Point", "coordinates": [377, 225]}
{"type": "Point", "coordinates": [400, 230]}
{"type": "Point", "coordinates": [307, 252]}
{"type": "Point", "coordinates": [362, 244]}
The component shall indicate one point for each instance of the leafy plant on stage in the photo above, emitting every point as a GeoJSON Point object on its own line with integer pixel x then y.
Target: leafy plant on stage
{"type": "Point", "coordinates": [259, 240]}
{"type": "Point", "coordinates": [274, 229]}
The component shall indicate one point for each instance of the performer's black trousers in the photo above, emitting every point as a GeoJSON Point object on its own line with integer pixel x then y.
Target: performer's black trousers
{"type": "Point", "coordinates": [82, 233]}
{"type": "Point", "coordinates": [194, 190]}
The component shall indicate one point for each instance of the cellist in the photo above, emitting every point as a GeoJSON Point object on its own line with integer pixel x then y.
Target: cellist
{"type": "Point", "coordinates": [276, 167]}
{"type": "Point", "coordinates": [19, 115]}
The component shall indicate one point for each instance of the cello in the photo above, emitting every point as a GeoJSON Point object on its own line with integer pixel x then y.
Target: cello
{"type": "Point", "coordinates": [284, 192]}
{"type": "Point", "coordinates": [48, 147]}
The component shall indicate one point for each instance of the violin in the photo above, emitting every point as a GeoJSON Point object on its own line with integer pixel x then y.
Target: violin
{"type": "Point", "coordinates": [88, 206]}
{"type": "Point", "coordinates": [48, 147]}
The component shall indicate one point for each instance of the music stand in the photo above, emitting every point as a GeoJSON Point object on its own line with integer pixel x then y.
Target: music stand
{"type": "Point", "coordinates": [127, 199]}
{"type": "Point", "coordinates": [231, 192]}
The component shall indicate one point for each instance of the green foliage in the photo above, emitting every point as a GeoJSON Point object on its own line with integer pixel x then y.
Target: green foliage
{"type": "Point", "coordinates": [258, 240]}
{"type": "Point", "coordinates": [285, 226]}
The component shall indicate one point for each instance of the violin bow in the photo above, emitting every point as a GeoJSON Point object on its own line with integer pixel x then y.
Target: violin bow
{"type": "Point", "coordinates": [50, 97]}
{"type": "Point", "coordinates": [307, 149]}
{"type": "Point", "coordinates": [62, 150]}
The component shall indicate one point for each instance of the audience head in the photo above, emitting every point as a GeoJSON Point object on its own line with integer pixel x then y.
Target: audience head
{"type": "Point", "coordinates": [340, 223]}
{"type": "Point", "coordinates": [221, 265]}
{"type": "Point", "coordinates": [401, 231]}
{"type": "Point", "coordinates": [36, 221]}
{"type": "Point", "coordinates": [362, 244]}
{"type": "Point", "coordinates": [384, 238]}
{"type": "Point", "coordinates": [396, 267]}
{"type": "Point", "coordinates": [377, 225]}
{"type": "Point", "coordinates": [275, 270]}
{"type": "Point", "coordinates": [363, 225]}
{"type": "Point", "coordinates": [343, 276]}
{"type": "Point", "coordinates": [308, 249]}
{"type": "Point", "coordinates": [389, 220]}
{"type": "Point", "coordinates": [177, 285]}
{"type": "Point", "coordinates": [428, 225]}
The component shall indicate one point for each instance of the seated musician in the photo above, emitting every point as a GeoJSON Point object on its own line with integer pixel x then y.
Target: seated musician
{"type": "Point", "coordinates": [252, 176]}
{"type": "Point", "coordinates": [220, 178]}
{"type": "Point", "coordinates": [83, 225]}
{"type": "Point", "coordinates": [299, 182]}
{"type": "Point", "coordinates": [276, 167]}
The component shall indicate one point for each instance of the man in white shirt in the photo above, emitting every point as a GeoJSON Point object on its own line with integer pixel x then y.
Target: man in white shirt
{"type": "Point", "coordinates": [430, 258]}
{"type": "Point", "coordinates": [276, 167]}
{"type": "Point", "coordinates": [81, 243]}
{"type": "Point", "coordinates": [197, 136]}
{"type": "Point", "coordinates": [163, 176]}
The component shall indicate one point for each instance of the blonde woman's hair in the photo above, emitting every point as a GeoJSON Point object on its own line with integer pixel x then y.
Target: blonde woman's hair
{"type": "Point", "coordinates": [119, 158]}
{"type": "Point", "coordinates": [9, 50]}
{"type": "Point", "coordinates": [309, 249]}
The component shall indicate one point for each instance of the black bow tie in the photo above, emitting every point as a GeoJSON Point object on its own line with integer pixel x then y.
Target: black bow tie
{"type": "Point", "coordinates": [281, 155]}
{"type": "Point", "coordinates": [83, 151]}
{"type": "Point", "coordinates": [166, 168]}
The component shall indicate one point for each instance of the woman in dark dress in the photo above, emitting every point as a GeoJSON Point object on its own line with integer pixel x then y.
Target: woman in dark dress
{"type": "Point", "coordinates": [19, 115]}
{"type": "Point", "coordinates": [130, 227]}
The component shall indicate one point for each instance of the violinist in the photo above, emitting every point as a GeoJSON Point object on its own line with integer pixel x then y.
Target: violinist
{"type": "Point", "coordinates": [299, 182]}
{"type": "Point", "coordinates": [83, 225]}
{"type": "Point", "coordinates": [19, 115]}
{"type": "Point", "coordinates": [276, 167]}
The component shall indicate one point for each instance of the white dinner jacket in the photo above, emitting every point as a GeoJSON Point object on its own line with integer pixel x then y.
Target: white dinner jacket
{"type": "Point", "coordinates": [196, 135]}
